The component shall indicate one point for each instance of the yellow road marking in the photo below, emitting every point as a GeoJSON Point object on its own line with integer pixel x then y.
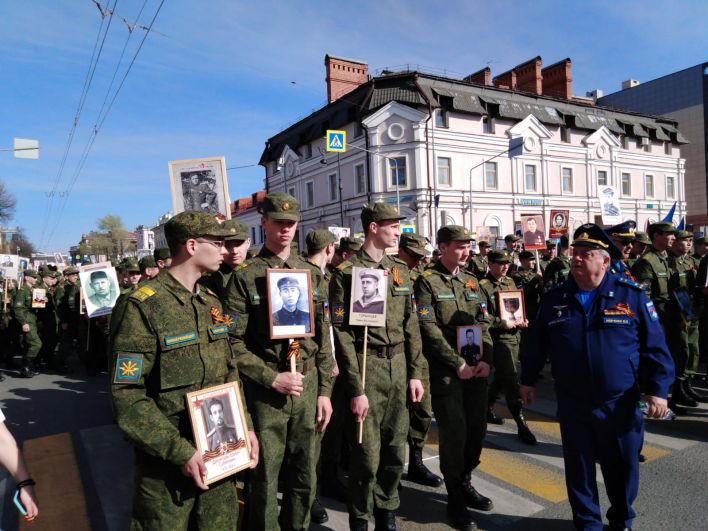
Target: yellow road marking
{"type": "Point", "coordinates": [59, 489]}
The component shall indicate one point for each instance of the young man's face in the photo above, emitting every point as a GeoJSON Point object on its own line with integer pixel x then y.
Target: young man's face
{"type": "Point", "coordinates": [279, 232]}
{"type": "Point", "coordinates": [455, 252]}
{"type": "Point", "coordinates": [368, 287]}
{"type": "Point", "coordinates": [498, 269]}
{"type": "Point", "coordinates": [386, 233]}
{"type": "Point", "coordinates": [531, 225]}
{"type": "Point", "coordinates": [529, 264]}
{"type": "Point", "coordinates": [290, 296]}
{"type": "Point", "coordinates": [133, 277]}
{"type": "Point", "coordinates": [663, 240]}
{"type": "Point", "coordinates": [216, 413]}
{"type": "Point", "coordinates": [208, 253]}
{"type": "Point", "coordinates": [683, 246]}
{"type": "Point", "coordinates": [236, 251]}
{"type": "Point", "coordinates": [72, 278]}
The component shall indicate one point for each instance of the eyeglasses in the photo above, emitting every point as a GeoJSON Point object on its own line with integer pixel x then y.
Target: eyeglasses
{"type": "Point", "coordinates": [216, 243]}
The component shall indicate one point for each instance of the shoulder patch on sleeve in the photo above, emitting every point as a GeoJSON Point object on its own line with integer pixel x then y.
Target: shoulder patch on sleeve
{"type": "Point", "coordinates": [142, 293]}
{"type": "Point", "coordinates": [425, 313]}
{"type": "Point", "coordinates": [338, 313]}
{"type": "Point", "coordinates": [652, 311]}
{"type": "Point", "coordinates": [129, 368]}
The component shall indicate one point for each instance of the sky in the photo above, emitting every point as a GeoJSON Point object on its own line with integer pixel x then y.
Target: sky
{"type": "Point", "coordinates": [219, 77]}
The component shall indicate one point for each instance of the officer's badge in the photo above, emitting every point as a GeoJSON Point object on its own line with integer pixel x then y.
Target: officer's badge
{"type": "Point", "coordinates": [217, 318]}
{"type": "Point", "coordinates": [325, 311]}
{"type": "Point", "coordinates": [285, 206]}
{"type": "Point", "coordinates": [128, 369]}
{"type": "Point", "coordinates": [338, 313]}
{"type": "Point", "coordinates": [396, 275]}
{"type": "Point", "coordinates": [425, 313]}
{"type": "Point", "coordinates": [621, 308]}
{"type": "Point", "coordinates": [652, 311]}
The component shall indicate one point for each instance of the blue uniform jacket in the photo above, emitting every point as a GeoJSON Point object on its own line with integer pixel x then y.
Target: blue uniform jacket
{"type": "Point", "coordinates": [595, 358]}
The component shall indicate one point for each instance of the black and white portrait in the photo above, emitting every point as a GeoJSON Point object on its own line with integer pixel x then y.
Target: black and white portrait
{"type": "Point", "coordinates": [201, 185]}
{"type": "Point", "coordinates": [469, 344]}
{"type": "Point", "coordinates": [290, 303]}
{"type": "Point", "coordinates": [99, 283]}
{"type": "Point", "coordinates": [610, 205]}
{"type": "Point", "coordinates": [368, 297]}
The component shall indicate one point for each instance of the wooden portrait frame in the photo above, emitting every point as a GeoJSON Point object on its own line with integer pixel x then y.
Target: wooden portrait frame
{"type": "Point", "coordinates": [557, 232]}
{"type": "Point", "coordinates": [503, 312]}
{"type": "Point", "coordinates": [39, 298]}
{"type": "Point", "coordinates": [363, 318]}
{"type": "Point", "coordinates": [305, 300]}
{"type": "Point", "coordinates": [461, 336]}
{"type": "Point", "coordinates": [206, 170]}
{"type": "Point", "coordinates": [229, 457]}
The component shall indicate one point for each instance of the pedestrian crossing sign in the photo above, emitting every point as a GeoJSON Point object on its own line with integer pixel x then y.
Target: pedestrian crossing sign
{"type": "Point", "coordinates": [336, 141]}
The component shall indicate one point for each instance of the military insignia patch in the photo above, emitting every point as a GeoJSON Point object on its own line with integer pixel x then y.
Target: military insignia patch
{"type": "Point", "coordinates": [325, 311]}
{"type": "Point", "coordinates": [338, 313]}
{"type": "Point", "coordinates": [652, 311]}
{"type": "Point", "coordinates": [413, 303]}
{"type": "Point", "coordinates": [396, 275]}
{"type": "Point", "coordinates": [129, 368]}
{"type": "Point", "coordinates": [180, 338]}
{"type": "Point", "coordinates": [425, 313]}
{"type": "Point", "coordinates": [471, 284]}
{"type": "Point", "coordinates": [142, 293]}
{"type": "Point", "coordinates": [217, 318]}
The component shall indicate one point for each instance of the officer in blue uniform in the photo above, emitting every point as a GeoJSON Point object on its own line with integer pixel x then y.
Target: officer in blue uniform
{"type": "Point", "coordinates": [623, 237]}
{"type": "Point", "coordinates": [598, 329]}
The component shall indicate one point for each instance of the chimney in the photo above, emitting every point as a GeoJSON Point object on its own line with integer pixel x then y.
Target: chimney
{"type": "Point", "coordinates": [558, 79]}
{"type": "Point", "coordinates": [595, 94]}
{"type": "Point", "coordinates": [630, 83]}
{"type": "Point", "coordinates": [343, 76]}
{"type": "Point", "coordinates": [507, 80]}
{"type": "Point", "coordinates": [483, 77]}
{"type": "Point", "coordinates": [529, 77]}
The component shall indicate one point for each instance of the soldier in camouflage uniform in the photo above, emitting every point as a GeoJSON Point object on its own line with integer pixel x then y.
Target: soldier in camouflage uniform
{"type": "Point", "coordinates": [478, 264]}
{"type": "Point", "coordinates": [5, 307]}
{"type": "Point", "coordinates": [506, 339]}
{"type": "Point", "coordinates": [639, 246]}
{"type": "Point", "coordinates": [68, 314]}
{"type": "Point", "coordinates": [171, 340]}
{"type": "Point", "coordinates": [547, 255]}
{"type": "Point", "coordinates": [694, 347]}
{"type": "Point", "coordinates": [448, 298]}
{"type": "Point", "coordinates": [237, 243]}
{"type": "Point", "coordinates": [411, 249]}
{"type": "Point", "coordinates": [162, 256]}
{"type": "Point", "coordinates": [393, 367]}
{"type": "Point", "coordinates": [528, 279]}
{"type": "Point", "coordinates": [26, 317]}
{"type": "Point", "coordinates": [513, 247]}
{"type": "Point", "coordinates": [558, 269]}
{"type": "Point", "coordinates": [347, 248]}
{"type": "Point", "coordinates": [148, 268]}
{"type": "Point", "coordinates": [287, 408]}
{"type": "Point", "coordinates": [47, 319]}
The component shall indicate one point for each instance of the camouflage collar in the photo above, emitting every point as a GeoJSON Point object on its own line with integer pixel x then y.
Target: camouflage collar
{"type": "Point", "coordinates": [172, 285]}
{"type": "Point", "coordinates": [273, 260]}
{"type": "Point", "coordinates": [385, 263]}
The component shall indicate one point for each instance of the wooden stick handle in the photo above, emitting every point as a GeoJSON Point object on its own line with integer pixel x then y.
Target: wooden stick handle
{"type": "Point", "coordinates": [293, 360]}
{"type": "Point", "coordinates": [363, 379]}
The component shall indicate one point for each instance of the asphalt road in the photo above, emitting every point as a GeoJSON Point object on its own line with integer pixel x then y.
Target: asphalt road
{"type": "Point", "coordinates": [83, 466]}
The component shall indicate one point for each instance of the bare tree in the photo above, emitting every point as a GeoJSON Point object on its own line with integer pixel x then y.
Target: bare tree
{"type": "Point", "coordinates": [7, 203]}
{"type": "Point", "coordinates": [20, 241]}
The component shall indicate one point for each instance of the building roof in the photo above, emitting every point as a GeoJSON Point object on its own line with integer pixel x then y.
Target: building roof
{"type": "Point", "coordinates": [420, 90]}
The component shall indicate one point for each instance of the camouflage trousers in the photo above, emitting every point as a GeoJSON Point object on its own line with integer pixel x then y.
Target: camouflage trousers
{"type": "Point", "coordinates": [285, 427]}
{"type": "Point", "coordinates": [506, 355]}
{"type": "Point", "coordinates": [694, 351]}
{"type": "Point", "coordinates": [31, 344]}
{"type": "Point", "coordinates": [376, 465]}
{"type": "Point", "coordinates": [167, 500]}
{"type": "Point", "coordinates": [421, 414]}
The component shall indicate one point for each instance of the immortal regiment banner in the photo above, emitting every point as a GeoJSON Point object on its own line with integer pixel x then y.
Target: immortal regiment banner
{"type": "Point", "coordinates": [368, 297]}
{"type": "Point", "coordinates": [339, 232]}
{"type": "Point", "coordinates": [533, 229]}
{"type": "Point", "coordinates": [610, 205]}
{"type": "Point", "coordinates": [9, 265]}
{"type": "Point", "coordinates": [99, 287]}
{"type": "Point", "coordinates": [558, 223]}
{"type": "Point", "coordinates": [200, 184]}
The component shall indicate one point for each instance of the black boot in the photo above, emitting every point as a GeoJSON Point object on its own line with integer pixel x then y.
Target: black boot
{"type": "Point", "coordinates": [460, 517]}
{"type": "Point", "coordinates": [679, 396]}
{"type": "Point", "coordinates": [524, 431]}
{"type": "Point", "coordinates": [474, 499]}
{"type": "Point", "coordinates": [492, 418]}
{"type": "Point", "coordinates": [358, 524]}
{"type": "Point", "coordinates": [26, 371]}
{"type": "Point", "coordinates": [689, 391]}
{"type": "Point", "coordinates": [385, 520]}
{"type": "Point", "coordinates": [418, 472]}
{"type": "Point", "coordinates": [318, 514]}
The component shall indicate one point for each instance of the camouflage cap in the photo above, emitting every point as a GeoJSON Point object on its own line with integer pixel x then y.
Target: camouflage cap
{"type": "Point", "coordinates": [661, 226]}
{"type": "Point", "coordinates": [498, 257]}
{"type": "Point", "coordinates": [52, 274]}
{"type": "Point", "coordinates": [348, 244]}
{"type": "Point", "coordinates": [642, 237]}
{"type": "Point", "coordinates": [700, 241]}
{"type": "Point", "coordinates": [683, 235]}
{"type": "Point", "coordinates": [71, 270]}
{"type": "Point", "coordinates": [237, 231]}
{"type": "Point", "coordinates": [31, 273]}
{"type": "Point", "coordinates": [484, 243]}
{"type": "Point", "coordinates": [376, 212]}
{"type": "Point", "coordinates": [161, 253]}
{"type": "Point", "coordinates": [318, 240]}
{"type": "Point", "coordinates": [42, 270]}
{"type": "Point", "coordinates": [527, 255]}
{"type": "Point", "coordinates": [281, 206]}
{"type": "Point", "coordinates": [550, 243]}
{"type": "Point", "coordinates": [147, 261]}
{"type": "Point", "coordinates": [510, 238]}
{"type": "Point", "coordinates": [450, 233]}
{"type": "Point", "coordinates": [191, 224]}
{"type": "Point", "coordinates": [131, 266]}
{"type": "Point", "coordinates": [413, 243]}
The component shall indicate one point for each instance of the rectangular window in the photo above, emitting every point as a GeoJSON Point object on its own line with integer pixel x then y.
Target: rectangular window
{"type": "Point", "coordinates": [333, 188]}
{"type": "Point", "coordinates": [649, 185]}
{"type": "Point", "coordinates": [626, 184]}
{"type": "Point", "coordinates": [567, 180]}
{"type": "Point", "coordinates": [360, 179]}
{"type": "Point", "coordinates": [565, 134]}
{"type": "Point", "coordinates": [601, 178]}
{"type": "Point", "coordinates": [670, 191]}
{"type": "Point", "coordinates": [310, 194]}
{"type": "Point", "coordinates": [647, 144]}
{"type": "Point", "coordinates": [397, 168]}
{"type": "Point", "coordinates": [667, 148]}
{"type": "Point", "coordinates": [441, 118]}
{"type": "Point", "coordinates": [488, 124]}
{"type": "Point", "coordinates": [308, 151]}
{"type": "Point", "coordinates": [444, 171]}
{"type": "Point", "coordinates": [530, 177]}
{"type": "Point", "coordinates": [490, 176]}
{"type": "Point", "coordinates": [625, 141]}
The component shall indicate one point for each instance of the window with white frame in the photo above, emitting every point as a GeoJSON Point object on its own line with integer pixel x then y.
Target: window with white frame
{"type": "Point", "coordinates": [333, 188]}
{"type": "Point", "coordinates": [397, 171]}
{"type": "Point", "coordinates": [567, 180]}
{"type": "Point", "coordinates": [601, 177]}
{"type": "Point", "coordinates": [670, 187]}
{"type": "Point", "coordinates": [530, 177]}
{"type": "Point", "coordinates": [360, 179]}
{"type": "Point", "coordinates": [491, 181]}
{"type": "Point", "coordinates": [310, 194]}
{"type": "Point", "coordinates": [626, 184]}
{"type": "Point", "coordinates": [444, 166]}
{"type": "Point", "coordinates": [649, 185]}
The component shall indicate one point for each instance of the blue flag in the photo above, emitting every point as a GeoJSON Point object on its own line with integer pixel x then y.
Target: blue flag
{"type": "Point", "coordinates": [681, 224]}
{"type": "Point", "coordinates": [670, 216]}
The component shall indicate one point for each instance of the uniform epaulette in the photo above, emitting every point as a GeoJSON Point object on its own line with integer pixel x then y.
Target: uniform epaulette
{"type": "Point", "coordinates": [242, 265]}
{"type": "Point", "coordinates": [483, 282]}
{"type": "Point", "coordinates": [629, 282]}
{"type": "Point", "coordinates": [397, 260]}
{"type": "Point", "coordinates": [553, 287]}
{"type": "Point", "coordinates": [427, 273]}
{"type": "Point", "coordinates": [142, 293]}
{"type": "Point", "coordinates": [207, 290]}
{"type": "Point", "coordinates": [344, 265]}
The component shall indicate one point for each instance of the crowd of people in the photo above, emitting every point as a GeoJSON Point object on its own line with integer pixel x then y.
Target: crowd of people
{"type": "Point", "coordinates": [620, 319]}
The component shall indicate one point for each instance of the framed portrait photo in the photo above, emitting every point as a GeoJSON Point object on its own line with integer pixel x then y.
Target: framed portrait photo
{"type": "Point", "coordinates": [220, 430]}
{"type": "Point", "coordinates": [99, 284]}
{"type": "Point", "coordinates": [533, 230]}
{"type": "Point", "coordinates": [368, 297]}
{"type": "Point", "coordinates": [39, 298]}
{"type": "Point", "coordinates": [558, 225]}
{"type": "Point", "coordinates": [290, 307]}
{"type": "Point", "coordinates": [469, 344]}
{"type": "Point", "coordinates": [511, 306]}
{"type": "Point", "coordinates": [201, 185]}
